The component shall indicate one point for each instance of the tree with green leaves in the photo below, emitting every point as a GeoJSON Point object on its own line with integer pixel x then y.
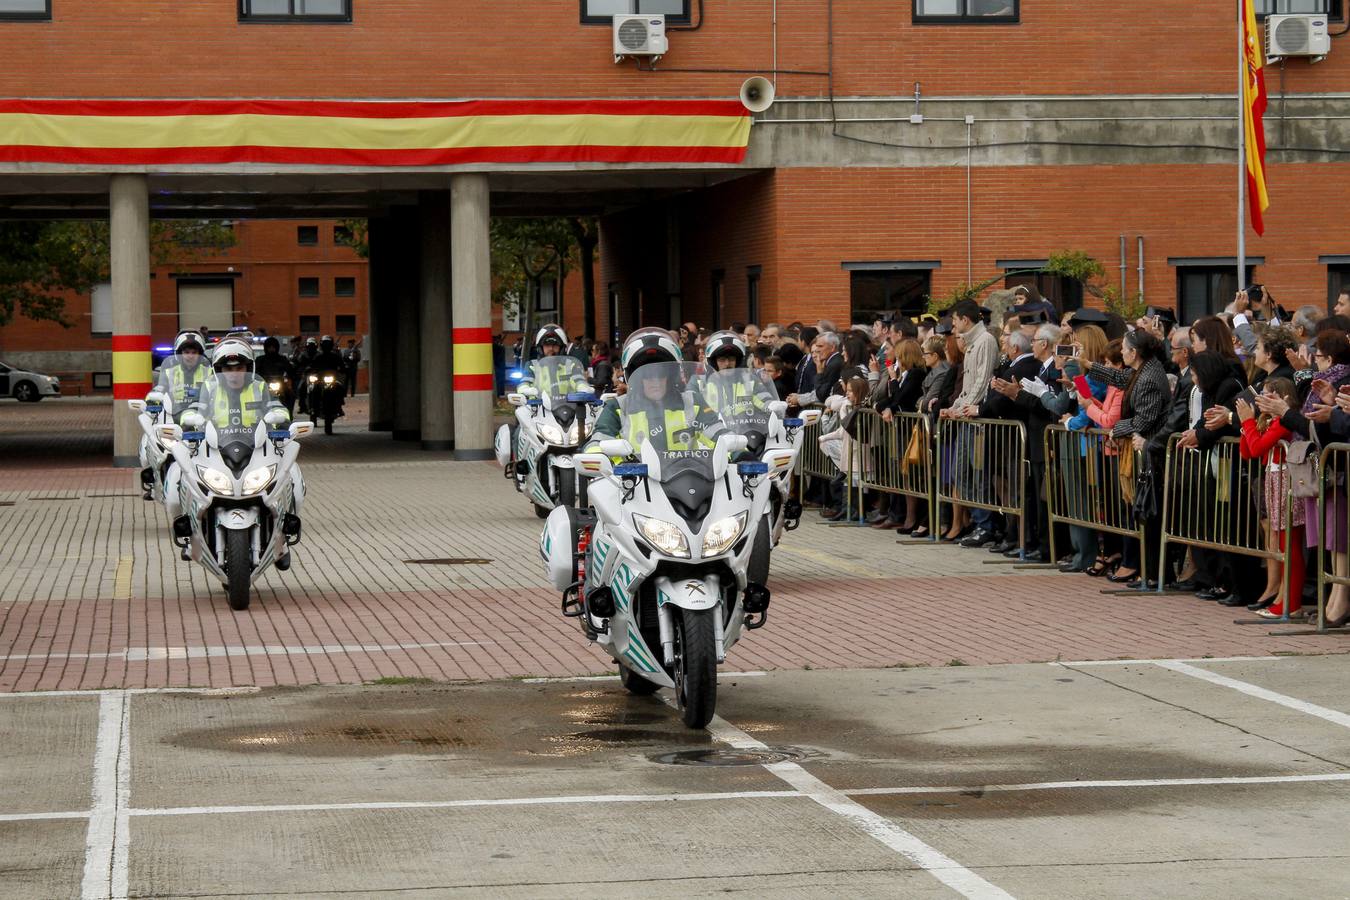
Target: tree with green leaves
{"type": "Point", "coordinates": [524, 251]}
{"type": "Point", "coordinates": [41, 262]}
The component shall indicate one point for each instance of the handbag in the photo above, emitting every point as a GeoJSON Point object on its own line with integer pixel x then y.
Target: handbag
{"type": "Point", "coordinates": [1144, 506]}
{"type": "Point", "coordinates": [1302, 467]}
{"type": "Point", "coordinates": [914, 449]}
{"type": "Point", "coordinates": [1125, 468]}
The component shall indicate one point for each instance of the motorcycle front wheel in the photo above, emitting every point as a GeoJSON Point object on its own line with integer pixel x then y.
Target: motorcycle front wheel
{"type": "Point", "coordinates": [567, 488]}
{"type": "Point", "coordinates": [696, 666]}
{"type": "Point", "coordinates": [635, 683]}
{"type": "Point", "coordinates": [238, 567]}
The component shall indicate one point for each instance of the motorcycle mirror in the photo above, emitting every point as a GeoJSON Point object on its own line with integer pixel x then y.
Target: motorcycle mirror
{"type": "Point", "coordinates": [300, 429]}
{"type": "Point", "coordinates": [529, 390]}
{"type": "Point", "coordinates": [809, 417]}
{"type": "Point", "coordinates": [779, 460]}
{"type": "Point", "coordinates": [734, 443]}
{"type": "Point", "coordinates": [515, 399]}
{"type": "Point", "coordinates": [616, 447]}
{"type": "Point", "coordinates": [593, 465]}
{"type": "Point", "coordinates": [778, 408]}
{"type": "Point", "coordinates": [170, 434]}
{"type": "Point", "coordinates": [137, 406]}
{"type": "Point", "coordinates": [608, 396]}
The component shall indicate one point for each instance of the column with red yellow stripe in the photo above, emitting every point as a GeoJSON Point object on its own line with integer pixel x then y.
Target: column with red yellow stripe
{"type": "Point", "coordinates": [471, 302]}
{"type": "Point", "coordinates": [129, 232]}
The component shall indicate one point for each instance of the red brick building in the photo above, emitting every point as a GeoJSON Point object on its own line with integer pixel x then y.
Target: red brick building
{"type": "Point", "coordinates": [913, 145]}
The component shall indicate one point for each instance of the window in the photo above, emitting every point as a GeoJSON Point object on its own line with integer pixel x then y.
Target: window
{"type": "Point", "coordinates": [309, 324]}
{"type": "Point", "coordinates": [342, 235]}
{"type": "Point", "coordinates": [1203, 290]}
{"type": "Point", "coordinates": [295, 10]}
{"type": "Point", "coordinates": [39, 10]}
{"type": "Point", "coordinates": [1064, 292]}
{"type": "Point", "coordinates": [1332, 8]}
{"type": "Point", "coordinates": [752, 294]}
{"type": "Point", "coordinates": [307, 235]}
{"type": "Point", "coordinates": [975, 12]}
{"type": "Point", "coordinates": [344, 287]}
{"type": "Point", "coordinates": [1338, 279]}
{"type": "Point", "coordinates": [601, 12]}
{"type": "Point", "coordinates": [309, 287]}
{"type": "Point", "coordinates": [345, 324]}
{"type": "Point", "coordinates": [100, 310]}
{"type": "Point", "coordinates": [885, 292]}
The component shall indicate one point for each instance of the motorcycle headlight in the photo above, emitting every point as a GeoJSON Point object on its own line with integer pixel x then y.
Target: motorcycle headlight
{"type": "Point", "coordinates": [274, 387]}
{"type": "Point", "coordinates": [723, 533]}
{"type": "Point", "coordinates": [258, 479]}
{"type": "Point", "coordinates": [551, 433]}
{"type": "Point", "coordinates": [314, 379]}
{"type": "Point", "coordinates": [328, 379]}
{"type": "Point", "coordinates": [216, 480]}
{"type": "Point", "coordinates": [574, 433]}
{"type": "Point", "coordinates": [664, 536]}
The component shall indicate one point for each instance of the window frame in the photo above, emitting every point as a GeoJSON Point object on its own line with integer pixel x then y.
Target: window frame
{"type": "Point", "coordinates": [15, 16]}
{"type": "Point", "coordinates": [879, 274]}
{"type": "Point", "coordinates": [300, 286]}
{"type": "Point", "coordinates": [338, 322]}
{"type": "Point", "coordinates": [249, 18]}
{"type": "Point", "coordinates": [301, 230]}
{"type": "Point", "coordinates": [963, 18]}
{"type": "Point", "coordinates": [684, 18]}
{"type": "Point", "coordinates": [316, 319]}
{"type": "Point", "coordinates": [337, 289]}
{"type": "Point", "coordinates": [1208, 268]}
{"type": "Point", "coordinates": [1335, 12]}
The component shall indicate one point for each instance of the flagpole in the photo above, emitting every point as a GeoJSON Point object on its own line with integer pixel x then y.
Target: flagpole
{"type": "Point", "coordinates": [1242, 147]}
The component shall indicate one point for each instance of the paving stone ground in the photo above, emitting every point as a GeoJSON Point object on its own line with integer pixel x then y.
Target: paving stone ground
{"type": "Point", "coordinates": [93, 595]}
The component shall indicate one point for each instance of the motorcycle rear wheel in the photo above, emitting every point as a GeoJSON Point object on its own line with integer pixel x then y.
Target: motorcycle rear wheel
{"type": "Point", "coordinates": [238, 567]}
{"type": "Point", "coordinates": [696, 666]}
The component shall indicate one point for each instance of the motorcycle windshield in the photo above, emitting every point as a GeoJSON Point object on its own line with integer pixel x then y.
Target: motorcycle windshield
{"type": "Point", "coordinates": [557, 376]}
{"type": "Point", "coordinates": [741, 399]}
{"type": "Point", "coordinates": [183, 378]}
{"type": "Point", "coordinates": [235, 402]}
{"type": "Point", "coordinates": [665, 408]}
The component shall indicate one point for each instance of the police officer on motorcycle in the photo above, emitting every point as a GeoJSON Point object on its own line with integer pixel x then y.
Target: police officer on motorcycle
{"type": "Point", "coordinates": [235, 400]}
{"type": "Point", "coordinates": [327, 361]}
{"type": "Point", "coordinates": [274, 368]}
{"type": "Point", "coordinates": [554, 380]}
{"type": "Point", "coordinates": [650, 410]}
{"type": "Point", "coordinates": [182, 377]}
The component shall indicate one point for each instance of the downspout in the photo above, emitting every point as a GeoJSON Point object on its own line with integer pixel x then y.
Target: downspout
{"type": "Point", "coordinates": [1141, 267]}
{"type": "Point", "coordinates": [970, 127]}
{"type": "Point", "coordinates": [1122, 267]}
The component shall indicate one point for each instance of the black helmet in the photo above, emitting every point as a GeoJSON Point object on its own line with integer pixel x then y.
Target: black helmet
{"type": "Point", "coordinates": [326, 343]}
{"type": "Point", "coordinates": [271, 344]}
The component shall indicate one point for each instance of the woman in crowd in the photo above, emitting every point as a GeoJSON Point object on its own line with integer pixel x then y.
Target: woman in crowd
{"type": "Point", "coordinates": [902, 396]}
{"type": "Point", "coordinates": [1282, 520]}
{"type": "Point", "coordinates": [1098, 406]}
{"type": "Point", "coordinates": [1143, 412]}
{"type": "Point", "coordinates": [1271, 359]}
{"type": "Point", "coordinates": [602, 368]}
{"type": "Point", "coordinates": [947, 390]}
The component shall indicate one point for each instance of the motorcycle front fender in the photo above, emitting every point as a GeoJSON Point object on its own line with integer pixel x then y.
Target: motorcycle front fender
{"type": "Point", "coordinates": [237, 519]}
{"type": "Point", "coordinates": [561, 461]}
{"type": "Point", "coordinates": [688, 593]}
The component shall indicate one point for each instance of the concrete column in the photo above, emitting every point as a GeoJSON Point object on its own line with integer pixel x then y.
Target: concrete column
{"type": "Point", "coordinates": [380, 342]}
{"type": "Point", "coordinates": [129, 204]}
{"type": "Point", "coordinates": [408, 345]}
{"type": "Point", "coordinates": [438, 421]}
{"type": "Point", "coordinates": [471, 280]}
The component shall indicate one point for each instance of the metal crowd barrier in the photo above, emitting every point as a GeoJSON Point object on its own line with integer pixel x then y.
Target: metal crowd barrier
{"type": "Point", "coordinates": [900, 453]}
{"type": "Point", "coordinates": [1212, 498]}
{"type": "Point", "coordinates": [1082, 483]}
{"type": "Point", "coordinates": [1332, 467]}
{"type": "Point", "coordinates": [983, 463]}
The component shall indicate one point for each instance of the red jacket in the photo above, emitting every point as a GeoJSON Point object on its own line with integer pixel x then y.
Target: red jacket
{"type": "Point", "coordinates": [1263, 445]}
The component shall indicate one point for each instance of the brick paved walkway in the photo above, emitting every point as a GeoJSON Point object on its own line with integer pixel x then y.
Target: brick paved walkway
{"type": "Point", "coordinates": [92, 593]}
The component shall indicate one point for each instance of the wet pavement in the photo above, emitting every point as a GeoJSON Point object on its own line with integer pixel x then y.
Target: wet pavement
{"type": "Point", "coordinates": [1201, 778]}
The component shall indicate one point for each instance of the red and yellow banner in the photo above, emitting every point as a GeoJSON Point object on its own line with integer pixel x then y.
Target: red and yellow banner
{"type": "Point", "coordinates": [133, 374]}
{"type": "Point", "coordinates": [472, 359]}
{"type": "Point", "coordinates": [371, 133]}
{"type": "Point", "coordinates": [1253, 113]}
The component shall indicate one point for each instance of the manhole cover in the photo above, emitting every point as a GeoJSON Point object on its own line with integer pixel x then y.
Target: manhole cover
{"type": "Point", "coordinates": [730, 757]}
{"type": "Point", "coordinates": [450, 561]}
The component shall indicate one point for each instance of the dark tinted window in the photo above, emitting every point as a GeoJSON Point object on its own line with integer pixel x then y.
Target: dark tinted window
{"type": "Point", "coordinates": [309, 287]}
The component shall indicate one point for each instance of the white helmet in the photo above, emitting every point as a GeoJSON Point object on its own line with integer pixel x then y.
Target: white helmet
{"type": "Point", "coordinates": [232, 350]}
{"type": "Point", "coordinates": [550, 334]}
{"type": "Point", "coordinates": [188, 339]}
{"type": "Point", "coordinates": [722, 343]}
{"type": "Point", "coordinates": [649, 345]}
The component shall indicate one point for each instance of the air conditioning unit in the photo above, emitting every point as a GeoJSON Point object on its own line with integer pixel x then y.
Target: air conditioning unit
{"type": "Point", "coordinates": [1296, 36]}
{"type": "Point", "coordinates": [640, 36]}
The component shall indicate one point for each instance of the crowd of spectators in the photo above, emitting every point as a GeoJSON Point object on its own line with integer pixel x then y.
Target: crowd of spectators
{"type": "Point", "coordinates": [1254, 373]}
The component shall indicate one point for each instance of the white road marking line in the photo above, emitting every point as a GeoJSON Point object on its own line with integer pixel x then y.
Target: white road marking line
{"type": "Point", "coordinates": [1331, 715]}
{"type": "Point", "coordinates": [1137, 662]}
{"type": "Point", "coordinates": [108, 692]}
{"type": "Point", "coordinates": [39, 817]}
{"type": "Point", "coordinates": [464, 804]}
{"type": "Point", "coordinates": [100, 843]}
{"type": "Point", "coordinates": [1122, 783]}
{"type": "Point", "coordinates": [145, 654]}
{"type": "Point", "coordinates": [936, 863]}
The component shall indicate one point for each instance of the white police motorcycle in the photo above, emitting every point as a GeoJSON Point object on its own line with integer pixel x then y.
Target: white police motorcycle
{"type": "Point", "coordinates": [554, 417]}
{"type": "Point", "coordinates": [155, 410]}
{"type": "Point", "coordinates": [669, 568]}
{"type": "Point", "coordinates": [236, 492]}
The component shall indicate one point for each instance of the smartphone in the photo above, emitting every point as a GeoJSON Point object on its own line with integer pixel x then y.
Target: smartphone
{"type": "Point", "coordinates": [1066, 350]}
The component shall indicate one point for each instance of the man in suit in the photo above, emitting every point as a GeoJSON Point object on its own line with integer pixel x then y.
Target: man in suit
{"type": "Point", "coordinates": [829, 364]}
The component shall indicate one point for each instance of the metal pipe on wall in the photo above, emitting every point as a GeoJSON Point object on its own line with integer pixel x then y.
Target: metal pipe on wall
{"type": "Point", "coordinates": [1141, 267]}
{"type": "Point", "coordinates": [1122, 266]}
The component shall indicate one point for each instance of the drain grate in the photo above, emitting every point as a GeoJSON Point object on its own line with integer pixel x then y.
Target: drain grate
{"type": "Point", "coordinates": [731, 757]}
{"type": "Point", "coordinates": [449, 561]}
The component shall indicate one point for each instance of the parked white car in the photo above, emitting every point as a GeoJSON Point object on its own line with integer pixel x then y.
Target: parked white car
{"type": "Point", "coordinates": [29, 387]}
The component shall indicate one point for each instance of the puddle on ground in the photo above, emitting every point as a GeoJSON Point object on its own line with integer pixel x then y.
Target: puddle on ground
{"type": "Point", "coordinates": [730, 758]}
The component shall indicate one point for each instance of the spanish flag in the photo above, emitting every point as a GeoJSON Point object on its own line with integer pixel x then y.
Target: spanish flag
{"type": "Point", "coordinates": [1253, 113]}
